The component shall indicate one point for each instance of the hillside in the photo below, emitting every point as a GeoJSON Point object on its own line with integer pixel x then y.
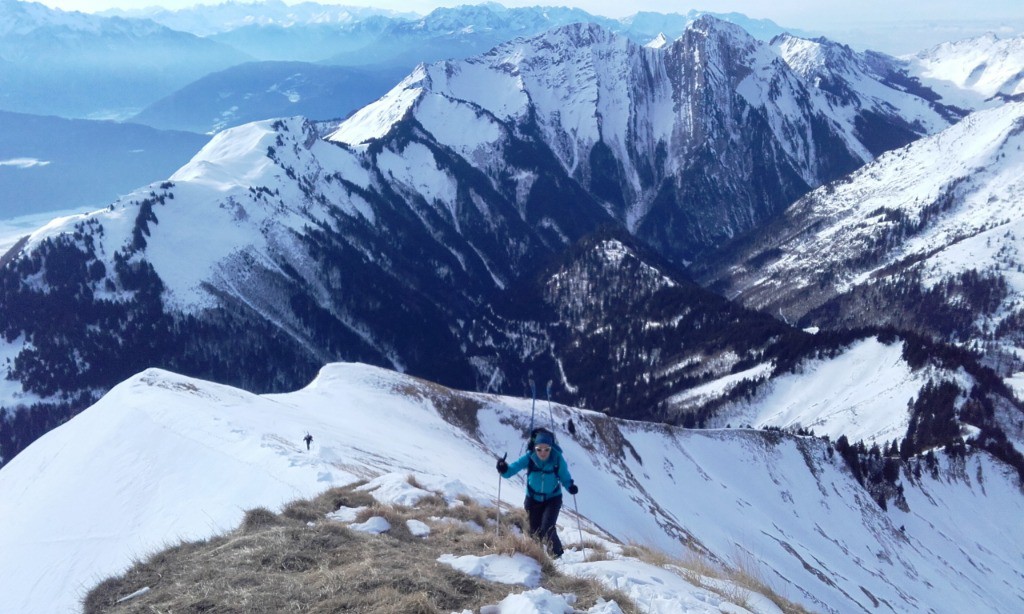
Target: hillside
{"type": "Point", "coordinates": [53, 164]}
{"type": "Point", "coordinates": [973, 73]}
{"type": "Point", "coordinates": [392, 545]}
{"type": "Point", "coordinates": [203, 453]}
{"type": "Point", "coordinates": [925, 238]}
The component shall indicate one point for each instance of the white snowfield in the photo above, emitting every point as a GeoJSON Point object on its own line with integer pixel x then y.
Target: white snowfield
{"type": "Point", "coordinates": [973, 73]}
{"type": "Point", "coordinates": [164, 457]}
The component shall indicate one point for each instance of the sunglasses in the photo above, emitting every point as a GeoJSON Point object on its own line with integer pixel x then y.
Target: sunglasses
{"type": "Point", "coordinates": [543, 448]}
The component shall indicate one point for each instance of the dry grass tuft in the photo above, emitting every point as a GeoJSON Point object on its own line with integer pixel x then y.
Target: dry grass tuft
{"type": "Point", "coordinates": [590, 592]}
{"type": "Point", "coordinates": [746, 574]}
{"type": "Point", "coordinates": [257, 519]}
{"type": "Point", "coordinates": [457, 408]}
{"type": "Point", "coordinates": [743, 575]}
{"type": "Point", "coordinates": [435, 500]}
{"type": "Point", "coordinates": [298, 561]}
{"type": "Point", "coordinates": [512, 543]}
{"type": "Point", "coordinates": [648, 555]}
{"type": "Point", "coordinates": [331, 500]}
{"type": "Point", "coordinates": [471, 511]}
{"type": "Point", "coordinates": [595, 551]}
{"type": "Point", "coordinates": [303, 510]}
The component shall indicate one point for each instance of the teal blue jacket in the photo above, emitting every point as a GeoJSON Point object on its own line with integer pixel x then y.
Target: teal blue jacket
{"type": "Point", "coordinates": [544, 480]}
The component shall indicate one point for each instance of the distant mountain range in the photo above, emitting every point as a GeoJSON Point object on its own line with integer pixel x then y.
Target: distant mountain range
{"type": "Point", "coordinates": [260, 28]}
{"type": "Point", "coordinates": [85, 66]}
{"type": "Point", "coordinates": [50, 163]}
{"type": "Point", "coordinates": [115, 64]}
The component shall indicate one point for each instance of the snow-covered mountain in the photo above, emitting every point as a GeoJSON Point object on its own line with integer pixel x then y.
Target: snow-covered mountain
{"type": "Point", "coordinates": [642, 128]}
{"type": "Point", "coordinates": [164, 457]}
{"type": "Point", "coordinates": [973, 73]}
{"type": "Point", "coordinates": [209, 19]}
{"type": "Point", "coordinates": [78, 65]}
{"type": "Point", "coordinates": [925, 238]}
{"type": "Point", "coordinates": [863, 87]}
{"type": "Point", "coordinates": [358, 35]}
{"type": "Point", "coordinates": [529, 209]}
{"type": "Point", "coordinates": [393, 240]}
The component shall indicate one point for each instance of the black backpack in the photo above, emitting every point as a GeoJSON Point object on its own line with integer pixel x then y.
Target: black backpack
{"type": "Point", "coordinates": [539, 430]}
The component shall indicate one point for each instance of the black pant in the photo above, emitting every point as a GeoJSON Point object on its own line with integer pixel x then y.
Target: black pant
{"type": "Point", "coordinates": [543, 517]}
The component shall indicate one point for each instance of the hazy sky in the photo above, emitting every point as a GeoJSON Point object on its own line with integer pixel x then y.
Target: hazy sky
{"type": "Point", "coordinates": [791, 13]}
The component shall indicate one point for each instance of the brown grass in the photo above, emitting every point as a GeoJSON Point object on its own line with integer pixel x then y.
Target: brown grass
{"type": "Point", "coordinates": [456, 407]}
{"type": "Point", "coordinates": [742, 573]}
{"type": "Point", "coordinates": [297, 561]}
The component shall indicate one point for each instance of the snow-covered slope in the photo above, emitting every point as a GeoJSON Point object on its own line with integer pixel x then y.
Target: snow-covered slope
{"type": "Point", "coordinates": [165, 457]}
{"type": "Point", "coordinates": [974, 73]}
{"type": "Point", "coordinates": [938, 222]}
{"type": "Point", "coordinates": [861, 394]}
{"type": "Point", "coordinates": [861, 87]}
{"type": "Point", "coordinates": [208, 225]}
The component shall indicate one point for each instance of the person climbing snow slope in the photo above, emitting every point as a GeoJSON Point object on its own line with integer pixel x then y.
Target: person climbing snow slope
{"type": "Point", "coordinates": [547, 472]}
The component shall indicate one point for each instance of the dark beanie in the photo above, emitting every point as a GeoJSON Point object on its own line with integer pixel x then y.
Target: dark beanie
{"type": "Point", "coordinates": [545, 438]}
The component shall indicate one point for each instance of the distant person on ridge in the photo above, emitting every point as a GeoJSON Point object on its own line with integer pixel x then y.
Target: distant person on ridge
{"type": "Point", "coordinates": [547, 472]}
{"type": "Point", "coordinates": [308, 439]}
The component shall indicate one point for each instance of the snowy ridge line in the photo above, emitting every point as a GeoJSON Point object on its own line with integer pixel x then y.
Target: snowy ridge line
{"type": "Point", "coordinates": [721, 490]}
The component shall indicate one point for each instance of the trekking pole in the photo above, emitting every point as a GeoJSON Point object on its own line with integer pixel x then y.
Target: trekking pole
{"type": "Point", "coordinates": [497, 531]}
{"type": "Point", "coordinates": [578, 528]}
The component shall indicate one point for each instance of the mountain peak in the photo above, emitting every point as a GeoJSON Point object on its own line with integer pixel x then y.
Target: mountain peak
{"type": "Point", "coordinates": [709, 25]}
{"type": "Point", "coordinates": [974, 73]}
{"type": "Point", "coordinates": [658, 42]}
{"type": "Point", "coordinates": [20, 18]}
{"type": "Point", "coordinates": [376, 119]}
{"type": "Point", "coordinates": [582, 33]}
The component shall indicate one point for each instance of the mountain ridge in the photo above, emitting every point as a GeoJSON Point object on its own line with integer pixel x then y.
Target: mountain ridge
{"type": "Point", "coordinates": [917, 225]}
{"type": "Point", "coordinates": [786, 501]}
